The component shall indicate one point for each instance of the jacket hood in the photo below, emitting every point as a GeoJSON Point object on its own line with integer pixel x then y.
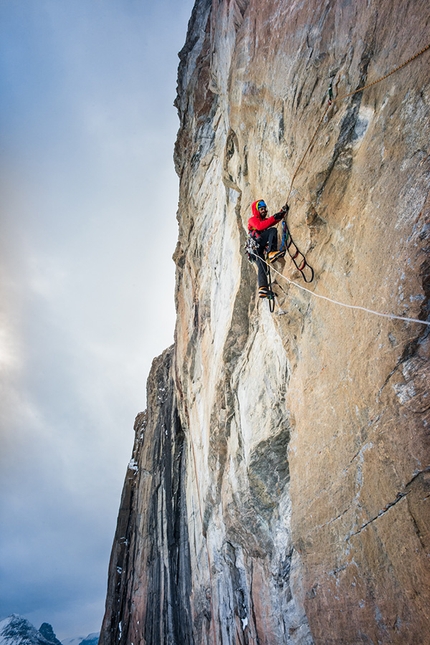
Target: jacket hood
{"type": "Point", "coordinates": [255, 212]}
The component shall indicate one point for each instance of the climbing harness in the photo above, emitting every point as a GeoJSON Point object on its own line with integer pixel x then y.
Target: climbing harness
{"type": "Point", "coordinates": [297, 256]}
{"type": "Point", "coordinates": [251, 248]}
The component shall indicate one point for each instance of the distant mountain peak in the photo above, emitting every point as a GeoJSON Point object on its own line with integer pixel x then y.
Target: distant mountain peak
{"type": "Point", "coordinates": [16, 630]}
{"type": "Point", "coordinates": [47, 632]}
{"type": "Point", "coordinates": [91, 639]}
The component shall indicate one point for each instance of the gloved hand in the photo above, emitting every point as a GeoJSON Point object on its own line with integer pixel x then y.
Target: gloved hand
{"type": "Point", "coordinates": [284, 210]}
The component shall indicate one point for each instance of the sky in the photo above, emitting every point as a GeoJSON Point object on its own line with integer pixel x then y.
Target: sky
{"type": "Point", "coordinates": [88, 200]}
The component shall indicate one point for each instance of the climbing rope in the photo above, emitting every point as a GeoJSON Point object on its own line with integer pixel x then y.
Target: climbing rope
{"type": "Point", "coordinates": [302, 265]}
{"type": "Point", "coordinates": [331, 101]}
{"type": "Point", "coordinates": [343, 304]}
{"type": "Point", "coordinates": [382, 78]}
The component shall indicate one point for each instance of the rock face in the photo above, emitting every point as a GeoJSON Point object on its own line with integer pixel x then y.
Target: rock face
{"type": "Point", "coordinates": [149, 588]}
{"type": "Point", "coordinates": [279, 486]}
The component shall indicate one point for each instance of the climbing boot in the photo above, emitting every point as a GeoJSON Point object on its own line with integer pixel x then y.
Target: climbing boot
{"type": "Point", "coordinates": [265, 292]}
{"type": "Point", "coordinates": [275, 255]}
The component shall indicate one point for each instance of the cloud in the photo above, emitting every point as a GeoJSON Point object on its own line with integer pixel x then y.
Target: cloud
{"type": "Point", "coordinates": [87, 231]}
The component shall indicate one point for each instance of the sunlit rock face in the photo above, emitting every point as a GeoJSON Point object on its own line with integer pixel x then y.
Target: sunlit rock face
{"type": "Point", "coordinates": [296, 508]}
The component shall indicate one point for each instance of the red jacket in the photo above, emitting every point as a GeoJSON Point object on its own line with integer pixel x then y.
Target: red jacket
{"type": "Point", "coordinates": [256, 223]}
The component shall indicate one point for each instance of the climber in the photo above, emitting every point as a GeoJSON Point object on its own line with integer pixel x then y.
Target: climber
{"type": "Point", "coordinates": [261, 229]}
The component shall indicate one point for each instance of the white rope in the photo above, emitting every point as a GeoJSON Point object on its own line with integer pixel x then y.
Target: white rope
{"type": "Point", "coordinates": [343, 304]}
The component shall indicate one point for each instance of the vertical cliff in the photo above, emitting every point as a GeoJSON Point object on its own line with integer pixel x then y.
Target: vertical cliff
{"type": "Point", "coordinates": [149, 586]}
{"type": "Point", "coordinates": [279, 486]}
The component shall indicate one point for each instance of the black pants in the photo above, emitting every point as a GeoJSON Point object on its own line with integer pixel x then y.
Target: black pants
{"type": "Point", "coordinates": [269, 239]}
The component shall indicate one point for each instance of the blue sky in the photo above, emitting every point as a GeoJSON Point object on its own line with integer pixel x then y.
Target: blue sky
{"type": "Point", "coordinates": [87, 229]}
